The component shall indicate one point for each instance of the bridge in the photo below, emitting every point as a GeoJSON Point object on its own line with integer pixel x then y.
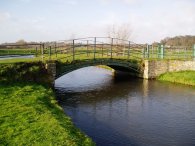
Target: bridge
{"type": "Point", "coordinates": [142, 60]}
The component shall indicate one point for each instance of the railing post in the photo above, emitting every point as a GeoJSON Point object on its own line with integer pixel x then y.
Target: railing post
{"type": "Point", "coordinates": [73, 51]}
{"type": "Point", "coordinates": [36, 52]}
{"type": "Point", "coordinates": [94, 47]}
{"type": "Point", "coordinates": [42, 51]}
{"type": "Point", "coordinates": [129, 46]}
{"type": "Point", "coordinates": [145, 55]}
{"type": "Point", "coordinates": [148, 51]}
{"type": "Point", "coordinates": [49, 52]}
{"type": "Point", "coordinates": [55, 49]}
{"type": "Point", "coordinates": [161, 51]}
{"type": "Point", "coordinates": [111, 47]}
{"type": "Point", "coordinates": [194, 51]}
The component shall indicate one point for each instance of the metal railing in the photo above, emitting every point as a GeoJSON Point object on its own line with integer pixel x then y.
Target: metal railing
{"type": "Point", "coordinates": [96, 48]}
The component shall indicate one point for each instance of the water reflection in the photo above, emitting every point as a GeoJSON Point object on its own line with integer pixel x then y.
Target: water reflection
{"type": "Point", "coordinates": [128, 112]}
{"type": "Point", "coordinates": [5, 57]}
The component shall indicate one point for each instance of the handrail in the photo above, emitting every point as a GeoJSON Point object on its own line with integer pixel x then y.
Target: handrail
{"type": "Point", "coordinates": [101, 47]}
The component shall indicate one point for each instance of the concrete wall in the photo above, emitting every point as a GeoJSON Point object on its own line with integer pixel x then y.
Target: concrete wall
{"type": "Point", "coordinates": [153, 69]}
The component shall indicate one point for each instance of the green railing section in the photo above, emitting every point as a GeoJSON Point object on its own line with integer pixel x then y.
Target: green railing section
{"type": "Point", "coordinates": [96, 48]}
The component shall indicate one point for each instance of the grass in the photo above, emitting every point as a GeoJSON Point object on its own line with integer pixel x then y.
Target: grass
{"type": "Point", "coordinates": [182, 77]}
{"type": "Point", "coordinates": [29, 112]}
{"type": "Point", "coordinates": [17, 51]}
{"type": "Point", "coordinates": [30, 115]}
{"type": "Point", "coordinates": [105, 67]}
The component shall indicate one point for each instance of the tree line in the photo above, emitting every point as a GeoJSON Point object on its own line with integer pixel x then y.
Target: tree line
{"type": "Point", "coordinates": [187, 40]}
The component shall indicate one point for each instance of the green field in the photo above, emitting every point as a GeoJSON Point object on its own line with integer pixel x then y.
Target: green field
{"type": "Point", "coordinates": [182, 77]}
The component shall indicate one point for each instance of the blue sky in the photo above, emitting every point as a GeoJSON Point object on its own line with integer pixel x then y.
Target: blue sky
{"type": "Point", "coordinates": [46, 20]}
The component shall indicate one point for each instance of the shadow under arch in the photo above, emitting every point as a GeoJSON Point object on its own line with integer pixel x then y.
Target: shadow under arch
{"type": "Point", "coordinates": [131, 66]}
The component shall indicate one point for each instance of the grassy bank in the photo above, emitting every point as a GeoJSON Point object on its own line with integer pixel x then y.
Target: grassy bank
{"type": "Point", "coordinates": [29, 113]}
{"type": "Point", "coordinates": [105, 67]}
{"type": "Point", "coordinates": [182, 77]}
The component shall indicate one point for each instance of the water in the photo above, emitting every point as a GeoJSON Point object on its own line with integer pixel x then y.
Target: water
{"type": "Point", "coordinates": [15, 56]}
{"type": "Point", "coordinates": [128, 111]}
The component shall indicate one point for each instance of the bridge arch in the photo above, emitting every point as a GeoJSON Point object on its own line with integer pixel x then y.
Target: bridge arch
{"type": "Point", "coordinates": [131, 66]}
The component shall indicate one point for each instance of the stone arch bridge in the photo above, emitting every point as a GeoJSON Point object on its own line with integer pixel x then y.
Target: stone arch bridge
{"type": "Point", "coordinates": [142, 60]}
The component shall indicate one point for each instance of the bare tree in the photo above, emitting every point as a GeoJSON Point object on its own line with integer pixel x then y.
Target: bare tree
{"type": "Point", "coordinates": [122, 31]}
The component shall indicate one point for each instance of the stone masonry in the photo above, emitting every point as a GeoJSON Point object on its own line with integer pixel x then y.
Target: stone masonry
{"type": "Point", "coordinates": [154, 68]}
{"type": "Point", "coordinates": [51, 69]}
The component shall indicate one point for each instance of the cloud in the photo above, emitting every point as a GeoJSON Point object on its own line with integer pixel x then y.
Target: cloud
{"type": "Point", "coordinates": [4, 16]}
{"type": "Point", "coordinates": [130, 1]}
{"type": "Point", "coordinates": [72, 2]}
{"type": "Point", "coordinates": [178, 19]}
{"type": "Point", "coordinates": [151, 21]}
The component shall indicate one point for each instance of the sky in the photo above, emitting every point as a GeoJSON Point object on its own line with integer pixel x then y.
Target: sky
{"type": "Point", "coordinates": [52, 20]}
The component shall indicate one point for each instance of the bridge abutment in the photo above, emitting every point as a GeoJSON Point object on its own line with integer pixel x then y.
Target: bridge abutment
{"type": "Point", "coordinates": [154, 68]}
{"type": "Point", "coordinates": [51, 69]}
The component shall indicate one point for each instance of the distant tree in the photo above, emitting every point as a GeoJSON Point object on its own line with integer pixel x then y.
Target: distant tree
{"type": "Point", "coordinates": [179, 41]}
{"type": "Point", "coordinates": [21, 42]}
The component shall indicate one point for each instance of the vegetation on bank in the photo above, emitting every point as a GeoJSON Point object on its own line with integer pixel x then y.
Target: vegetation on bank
{"type": "Point", "coordinates": [182, 77]}
{"type": "Point", "coordinates": [105, 67]}
{"type": "Point", "coordinates": [29, 113]}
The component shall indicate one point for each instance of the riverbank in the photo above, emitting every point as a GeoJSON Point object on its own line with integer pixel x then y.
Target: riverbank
{"type": "Point", "coordinates": [29, 113]}
{"type": "Point", "coordinates": [182, 77]}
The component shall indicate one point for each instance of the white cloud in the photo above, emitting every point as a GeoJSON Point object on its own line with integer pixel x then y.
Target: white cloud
{"type": "Point", "coordinates": [149, 24]}
{"type": "Point", "coordinates": [72, 2]}
{"type": "Point", "coordinates": [158, 24]}
{"type": "Point", "coordinates": [131, 1]}
{"type": "Point", "coordinates": [4, 16]}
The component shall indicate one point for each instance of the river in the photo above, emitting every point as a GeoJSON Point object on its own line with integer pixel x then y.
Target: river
{"type": "Point", "coordinates": [128, 111]}
{"type": "Point", "coordinates": [5, 57]}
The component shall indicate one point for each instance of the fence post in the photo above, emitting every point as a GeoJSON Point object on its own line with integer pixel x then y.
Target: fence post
{"type": "Point", "coordinates": [49, 52]}
{"type": "Point", "coordinates": [56, 49]}
{"type": "Point", "coordinates": [129, 49]}
{"type": "Point", "coordinates": [111, 47]}
{"type": "Point", "coordinates": [148, 51]}
{"type": "Point", "coordinates": [161, 51]}
{"type": "Point", "coordinates": [94, 47]}
{"type": "Point", "coordinates": [73, 51]}
{"type": "Point", "coordinates": [42, 51]}
{"type": "Point", "coordinates": [36, 52]}
{"type": "Point", "coordinates": [144, 52]}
